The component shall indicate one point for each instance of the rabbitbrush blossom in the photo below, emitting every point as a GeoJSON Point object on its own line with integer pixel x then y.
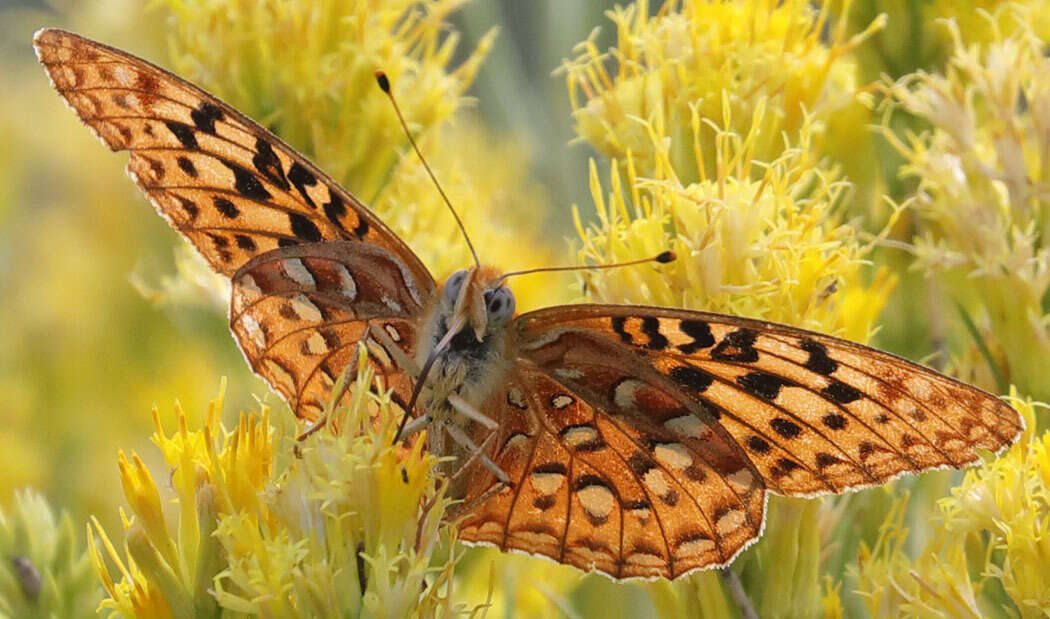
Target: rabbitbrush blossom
{"type": "Point", "coordinates": [344, 524]}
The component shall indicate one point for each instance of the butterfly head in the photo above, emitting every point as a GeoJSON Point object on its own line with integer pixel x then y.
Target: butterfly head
{"type": "Point", "coordinates": [477, 298]}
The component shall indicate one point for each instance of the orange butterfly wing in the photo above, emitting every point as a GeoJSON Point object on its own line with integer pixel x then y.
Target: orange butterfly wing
{"type": "Point", "coordinates": [288, 236]}
{"type": "Point", "coordinates": [696, 414]}
{"type": "Point", "coordinates": [816, 414]}
{"type": "Point", "coordinates": [232, 188]}
{"type": "Point", "coordinates": [604, 487]}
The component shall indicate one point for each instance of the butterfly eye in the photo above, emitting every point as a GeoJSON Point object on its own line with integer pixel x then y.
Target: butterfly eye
{"type": "Point", "coordinates": [453, 284]}
{"type": "Point", "coordinates": [500, 304]}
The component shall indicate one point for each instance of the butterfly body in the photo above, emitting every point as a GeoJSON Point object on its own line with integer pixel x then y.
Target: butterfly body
{"type": "Point", "coordinates": [636, 441]}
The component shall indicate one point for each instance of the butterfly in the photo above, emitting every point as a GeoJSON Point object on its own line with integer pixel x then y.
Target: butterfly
{"type": "Point", "coordinates": [639, 442]}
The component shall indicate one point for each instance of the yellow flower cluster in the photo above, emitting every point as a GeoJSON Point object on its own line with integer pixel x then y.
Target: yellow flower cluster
{"type": "Point", "coordinates": [710, 58]}
{"type": "Point", "coordinates": [983, 172]}
{"type": "Point", "coordinates": [753, 239]}
{"type": "Point", "coordinates": [989, 549]}
{"type": "Point", "coordinates": [712, 122]}
{"type": "Point", "coordinates": [346, 526]}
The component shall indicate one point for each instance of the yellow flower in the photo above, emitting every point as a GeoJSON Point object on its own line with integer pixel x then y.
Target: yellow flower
{"type": "Point", "coordinates": [983, 197]}
{"type": "Point", "coordinates": [752, 239]}
{"type": "Point", "coordinates": [711, 58]}
{"type": "Point", "coordinates": [347, 526]}
{"type": "Point", "coordinates": [989, 539]}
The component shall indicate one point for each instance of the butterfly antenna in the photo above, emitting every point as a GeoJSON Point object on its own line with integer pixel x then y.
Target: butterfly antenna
{"type": "Point", "coordinates": [663, 258]}
{"type": "Point", "coordinates": [384, 84]}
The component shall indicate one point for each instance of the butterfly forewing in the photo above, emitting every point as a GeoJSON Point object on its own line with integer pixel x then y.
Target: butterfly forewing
{"type": "Point", "coordinates": [300, 312]}
{"type": "Point", "coordinates": [231, 187]}
{"type": "Point", "coordinates": [311, 267]}
{"type": "Point", "coordinates": [606, 488]}
{"type": "Point", "coordinates": [814, 414]}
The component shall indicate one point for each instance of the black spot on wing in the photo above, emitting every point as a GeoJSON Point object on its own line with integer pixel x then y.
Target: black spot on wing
{"type": "Point", "coordinates": [691, 378]}
{"type": "Point", "coordinates": [556, 468]}
{"type": "Point", "coordinates": [245, 242]}
{"type": "Point", "coordinates": [301, 178]}
{"type": "Point", "coordinates": [303, 228]}
{"type": "Point", "coordinates": [183, 133]}
{"type": "Point", "coordinates": [651, 329]}
{"type": "Point", "coordinates": [619, 324]}
{"type": "Point", "coordinates": [267, 163]}
{"type": "Point", "coordinates": [204, 117]}
{"type": "Point", "coordinates": [737, 347]}
{"type": "Point", "coordinates": [700, 332]}
{"type": "Point", "coordinates": [361, 229]}
{"type": "Point", "coordinates": [335, 210]}
{"type": "Point", "coordinates": [842, 393]}
{"type": "Point", "coordinates": [762, 384]}
{"type": "Point", "coordinates": [785, 427]}
{"type": "Point", "coordinates": [757, 444]}
{"type": "Point", "coordinates": [187, 166]}
{"type": "Point", "coordinates": [227, 208]}
{"type": "Point", "coordinates": [834, 421]}
{"type": "Point", "coordinates": [818, 361]}
{"type": "Point", "coordinates": [246, 183]}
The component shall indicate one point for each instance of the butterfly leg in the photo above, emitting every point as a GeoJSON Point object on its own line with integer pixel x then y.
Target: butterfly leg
{"type": "Point", "coordinates": [460, 437]}
{"type": "Point", "coordinates": [383, 339]}
{"type": "Point", "coordinates": [469, 411]}
{"type": "Point", "coordinates": [417, 424]}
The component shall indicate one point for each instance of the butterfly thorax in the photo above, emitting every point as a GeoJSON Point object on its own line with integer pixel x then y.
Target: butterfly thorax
{"type": "Point", "coordinates": [475, 356]}
{"type": "Point", "coordinates": [468, 326]}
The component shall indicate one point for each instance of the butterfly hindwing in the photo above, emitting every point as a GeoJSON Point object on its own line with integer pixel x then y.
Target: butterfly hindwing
{"type": "Point", "coordinates": [815, 414]}
{"type": "Point", "coordinates": [300, 312]}
{"type": "Point", "coordinates": [231, 187]}
{"type": "Point", "coordinates": [604, 488]}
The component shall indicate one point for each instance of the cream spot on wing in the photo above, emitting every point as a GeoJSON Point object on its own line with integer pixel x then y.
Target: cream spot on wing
{"type": "Point", "coordinates": [730, 522]}
{"type": "Point", "coordinates": [125, 76]}
{"type": "Point", "coordinates": [695, 547]}
{"type": "Point", "coordinates": [280, 376]}
{"type": "Point", "coordinates": [490, 526]}
{"type": "Point", "coordinates": [532, 539]}
{"type": "Point", "coordinates": [591, 556]}
{"type": "Point", "coordinates": [297, 271]}
{"type": "Point", "coordinates": [646, 559]}
{"type": "Point", "coordinates": [673, 455]}
{"type": "Point", "coordinates": [255, 332]}
{"type": "Point", "coordinates": [641, 513]}
{"type": "Point", "coordinates": [547, 483]}
{"type": "Point", "coordinates": [346, 282]}
{"type": "Point", "coordinates": [514, 442]}
{"type": "Point", "coordinates": [919, 387]}
{"type": "Point", "coordinates": [580, 435]}
{"type": "Point", "coordinates": [392, 304]}
{"type": "Point", "coordinates": [624, 392]}
{"type": "Point", "coordinates": [656, 482]}
{"type": "Point", "coordinates": [569, 373]}
{"type": "Point", "coordinates": [597, 500]}
{"type": "Point", "coordinates": [515, 397]}
{"type": "Point", "coordinates": [392, 332]}
{"type": "Point", "coordinates": [742, 478]}
{"type": "Point", "coordinates": [315, 344]}
{"type": "Point", "coordinates": [561, 401]}
{"type": "Point", "coordinates": [305, 309]}
{"type": "Point", "coordinates": [688, 425]}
